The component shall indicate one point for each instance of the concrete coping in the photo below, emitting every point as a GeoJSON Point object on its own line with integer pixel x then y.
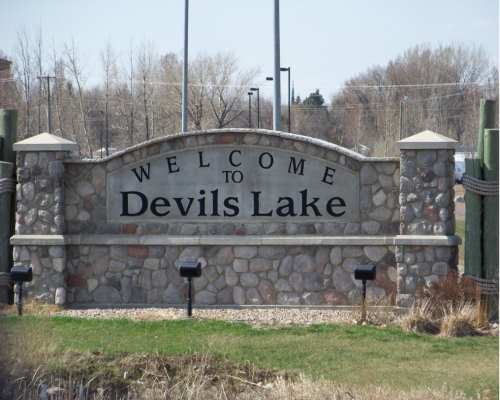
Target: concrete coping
{"type": "Point", "coordinates": [45, 142]}
{"type": "Point", "coordinates": [240, 131]}
{"type": "Point", "coordinates": [427, 140]}
{"type": "Point", "coordinates": [222, 240]}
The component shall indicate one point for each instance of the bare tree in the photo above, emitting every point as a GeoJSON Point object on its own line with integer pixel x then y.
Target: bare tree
{"type": "Point", "coordinates": [145, 66]}
{"type": "Point", "coordinates": [108, 60]}
{"type": "Point", "coordinates": [386, 102]}
{"type": "Point", "coordinates": [228, 87]}
{"type": "Point", "coordinates": [73, 65]}
{"type": "Point", "coordinates": [58, 90]}
{"type": "Point", "coordinates": [131, 97]}
{"type": "Point", "coordinates": [39, 65]}
{"type": "Point", "coordinates": [24, 72]}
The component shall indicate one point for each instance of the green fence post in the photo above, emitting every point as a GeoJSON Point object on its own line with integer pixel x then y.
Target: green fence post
{"type": "Point", "coordinates": [490, 205]}
{"type": "Point", "coordinates": [487, 113]}
{"type": "Point", "coordinates": [6, 190]}
{"type": "Point", "coordinates": [8, 127]}
{"type": "Point", "coordinates": [473, 257]}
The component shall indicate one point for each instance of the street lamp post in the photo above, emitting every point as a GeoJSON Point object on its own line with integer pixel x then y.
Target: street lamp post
{"type": "Point", "coordinates": [277, 80]}
{"type": "Point", "coordinates": [287, 69]}
{"type": "Point", "coordinates": [184, 112]}
{"type": "Point", "coordinates": [254, 89]}
{"type": "Point", "coordinates": [250, 109]}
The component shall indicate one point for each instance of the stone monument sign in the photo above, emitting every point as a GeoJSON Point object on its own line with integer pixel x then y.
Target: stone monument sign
{"type": "Point", "coordinates": [273, 217]}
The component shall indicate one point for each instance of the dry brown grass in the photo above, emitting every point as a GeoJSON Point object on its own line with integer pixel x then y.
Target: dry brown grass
{"type": "Point", "coordinates": [202, 379]}
{"type": "Point", "coordinates": [31, 308]}
{"type": "Point", "coordinates": [447, 307]}
{"type": "Point", "coordinates": [420, 318]}
{"type": "Point", "coordinates": [459, 320]}
{"type": "Point", "coordinates": [446, 319]}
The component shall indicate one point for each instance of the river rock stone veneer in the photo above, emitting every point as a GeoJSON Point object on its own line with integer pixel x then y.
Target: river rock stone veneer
{"type": "Point", "coordinates": [405, 226]}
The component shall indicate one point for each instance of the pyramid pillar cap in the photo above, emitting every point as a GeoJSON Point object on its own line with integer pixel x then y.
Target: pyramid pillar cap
{"type": "Point", "coordinates": [45, 142]}
{"type": "Point", "coordinates": [427, 140]}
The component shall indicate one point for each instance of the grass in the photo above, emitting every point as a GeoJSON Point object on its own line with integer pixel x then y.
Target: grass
{"type": "Point", "coordinates": [351, 355]}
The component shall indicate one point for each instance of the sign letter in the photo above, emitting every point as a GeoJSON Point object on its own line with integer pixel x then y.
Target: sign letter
{"type": "Point", "coordinates": [328, 177]}
{"type": "Point", "coordinates": [142, 172]}
{"type": "Point", "coordinates": [125, 210]}
{"type": "Point", "coordinates": [296, 166]}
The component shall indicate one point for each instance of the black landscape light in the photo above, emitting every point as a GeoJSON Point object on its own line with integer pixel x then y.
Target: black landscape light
{"type": "Point", "coordinates": [189, 269]}
{"type": "Point", "coordinates": [20, 274]}
{"type": "Point", "coordinates": [365, 273]}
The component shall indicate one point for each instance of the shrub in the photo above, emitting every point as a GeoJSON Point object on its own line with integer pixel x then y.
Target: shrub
{"type": "Point", "coordinates": [420, 318]}
{"type": "Point", "coordinates": [459, 320]}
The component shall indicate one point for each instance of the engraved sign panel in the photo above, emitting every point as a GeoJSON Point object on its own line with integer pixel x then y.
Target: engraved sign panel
{"type": "Point", "coordinates": [233, 183]}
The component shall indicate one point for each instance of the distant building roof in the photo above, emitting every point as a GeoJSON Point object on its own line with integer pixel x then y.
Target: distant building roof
{"type": "Point", "coordinates": [4, 63]}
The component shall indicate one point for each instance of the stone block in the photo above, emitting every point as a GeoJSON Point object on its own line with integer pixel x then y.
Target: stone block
{"type": "Point", "coordinates": [349, 264]}
{"type": "Point", "coordinates": [375, 253]}
{"type": "Point", "coordinates": [368, 175]}
{"type": "Point", "coordinates": [342, 280]}
{"type": "Point", "coordinates": [312, 298]}
{"type": "Point", "coordinates": [440, 268]}
{"type": "Point", "coordinates": [240, 265]}
{"type": "Point", "coordinates": [205, 297]}
{"type": "Point", "coordinates": [322, 257]}
{"type": "Point", "coordinates": [239, 296]}
{"type": "Point", "coordinates": [92, 284]}
{"type": "Point", "coordinates": [159, 278]}
{"type": "Point", "coordinates": [286, 266]}
{"type": "Point", "coordinates": [260, 265]}
{"type": "Point", "coordinates": [249, 279]}
{"type": "Point", "coordinates": [106, 295]}
{"type": "Point", "coordinates": [303, 263]}
{"type": "Point", "coordinates": [296, 281]}
{"type": "Point", "coordinates": [381, 214]}
{"type": "Point", "coordinates": [225, 296]}
{"type": "Point", "coordinates": [246, 252]}
{"type": "Point", "coordinates": [58, 264]}
{"type": "Point", "coordinates": [231, 277]}
{"type": "Point", "coordinates": [253, 296]}
{"type": "Point", "coordinates": [379, 198]}
{"type": "Point", "coordinates": [191, 253]}
{"type": "Point", "coordinates": [352, 251]}
{"type": "Point", "coordinates": [336, 256]}
{"type": "Point", "coordinates": [370, 227]}
{"type": "Point", "coordinates": [60, 296]}
{"type": "Point", "coordinates": [138, 251]}
{"type": "Point", "coordinates": [288, 298]}
{"type": "Point", "coordinates": [272, 252]}
{"type": "Point", "coordinates": [224, 256]}
{"type": "Point", "coordinates": [313, 281]}
{"type": "Point", "coordinates": [152, 263]}
{"type": "Point", "coordinates": [117, 266]}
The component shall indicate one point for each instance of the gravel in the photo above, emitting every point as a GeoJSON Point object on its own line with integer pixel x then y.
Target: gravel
{"type": "Point", "coordinates": [255, 316]}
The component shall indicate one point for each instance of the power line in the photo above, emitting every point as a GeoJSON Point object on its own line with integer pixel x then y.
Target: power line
{"type": "Point", "coordinates": [414, 85]}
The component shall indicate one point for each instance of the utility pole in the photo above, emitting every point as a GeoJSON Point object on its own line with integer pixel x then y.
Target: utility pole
{"type": "Point", "coordinates": [49, 114]}
{"type": "Point", "coordinates": [277, 80]}
{"type": "Point", "coordinates": [401, 104]}
{"type": "Point", "coordinates": [184, 122]}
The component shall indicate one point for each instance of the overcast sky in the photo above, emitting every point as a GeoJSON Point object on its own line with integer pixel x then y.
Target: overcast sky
{"type": "Point", "coordinates": [324, 41]}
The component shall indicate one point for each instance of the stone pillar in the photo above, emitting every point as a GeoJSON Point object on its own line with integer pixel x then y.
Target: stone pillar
{"type": "Point", "coordinates": [427, 214]}
{"type": "Point", "coordinates": [40, 214]}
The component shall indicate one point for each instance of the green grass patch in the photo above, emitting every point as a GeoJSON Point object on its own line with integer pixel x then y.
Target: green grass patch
{"type": "Point", "coordinates": [347, 354]}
